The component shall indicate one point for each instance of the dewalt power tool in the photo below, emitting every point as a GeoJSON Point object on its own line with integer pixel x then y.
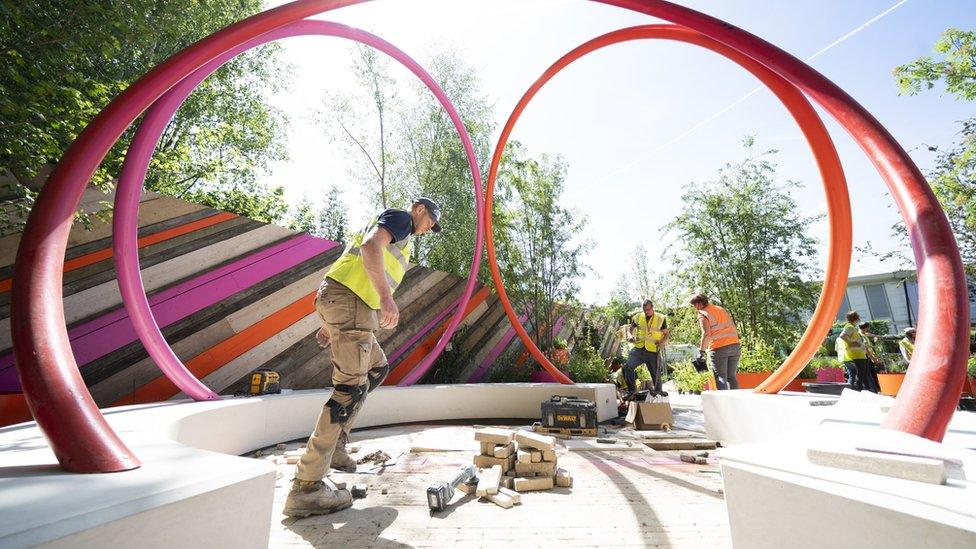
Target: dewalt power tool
{"type": "Point", "coordinates": [440, 493]}
{"type": "Point", "coordinates": [264, 382]}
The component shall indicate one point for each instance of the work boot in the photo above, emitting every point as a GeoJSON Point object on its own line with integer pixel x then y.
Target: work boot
{"type": "Point", "coordinates": [340, 457]}
{"type": "Point", "coordinates": [308, 498]}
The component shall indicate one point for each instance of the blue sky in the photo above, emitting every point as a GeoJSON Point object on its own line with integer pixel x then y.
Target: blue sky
{"type": "Point", "coordinates": [621, 117]}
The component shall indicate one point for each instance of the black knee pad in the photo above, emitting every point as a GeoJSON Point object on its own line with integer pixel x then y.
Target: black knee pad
{"type": "Point", "coordinates": [377, 379]}
{"type": "Point", "coordinates": [338, 413]}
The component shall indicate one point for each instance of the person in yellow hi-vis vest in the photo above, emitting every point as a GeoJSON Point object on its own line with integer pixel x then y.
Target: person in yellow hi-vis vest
{"type": "Point", "coordinates": [907, 344]}
{"type": "Point", "coordinates": [648, 332]}
{"type": "Point", "coordinates": [355, 300]}
{"type": "Point", "coordinates": [856, 354]}
{"type": "Point", "coordinates": [719, 340]}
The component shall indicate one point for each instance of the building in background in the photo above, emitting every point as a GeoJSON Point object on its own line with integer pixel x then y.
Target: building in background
{"type": "Point", "coordinates": [889, 296]}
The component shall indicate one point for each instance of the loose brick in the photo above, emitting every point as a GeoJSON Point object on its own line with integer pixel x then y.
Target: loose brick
{"type": "Point", "coordinates": [488, 481]}
{"type": "Point", "coordinates": [524, 456]}
{"type": "Point", "coordinates": [507, 482]}
{"type": "Point", "coordinates": [504, 501]}
{"type": "Point", "coordinates": [488, 448]}
{"type": "Point", "coordinates": [485, 462]}
{"type": "Point", "coordinates": [528, 439]}
{"type": "Point", "coordinates": [469, 487]}
{"type": "Point", "coordinates": [536, 456]}
{"type": "Point", "coordinates": [563, 478]}
{"type": "Point", "coordinates": [548, 469]}
{"type": "Point", "coordinates": [549, 455]}
{"type": "Point", "coordinates": [512, 494]}
{"type": "Point", "coordinates": [493, 434]}
{"type": "Point", "coordinates": [532, 484]}
{"type": "Point", "coordinates": [504, 451]}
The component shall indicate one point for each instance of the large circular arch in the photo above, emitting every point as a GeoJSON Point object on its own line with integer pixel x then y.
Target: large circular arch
{"type": "Point", "coordinates": [132, 176]}
{"type": "Point", "coordinates": [81, 439]}
{"type": "Point", "coordinates": [831, 172]}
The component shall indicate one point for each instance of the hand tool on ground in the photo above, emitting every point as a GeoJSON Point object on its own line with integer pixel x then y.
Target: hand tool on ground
{"type": "Point", "coordinates": [440, 493]}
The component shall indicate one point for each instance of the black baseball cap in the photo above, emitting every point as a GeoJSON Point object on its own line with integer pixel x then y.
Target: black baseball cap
{"type": "Point", "coordinates": [433, 209]}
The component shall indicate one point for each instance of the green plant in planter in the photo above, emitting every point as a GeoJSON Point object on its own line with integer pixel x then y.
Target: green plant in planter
{"type": "Point", "coordinates": [758, 356]}
{"type": "Point", "coordinates": [823, 362]}
{"type": "Point", "coordinates": [560, 344]}
{"type": "Point", "coordinates": [897, 366]}
{"type": "Point", "coordinates": [687, 379]}
{"type": "Point", "coordinates": [808, 372]}
{"type": "Point", "coordinates": [971, 366]}
{"type": "Point", "coordinates": [586, 365]}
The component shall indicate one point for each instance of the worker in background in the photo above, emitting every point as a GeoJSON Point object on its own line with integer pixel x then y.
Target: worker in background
{"type": "Point", "coordinates": [907, 345]}
{"type": "Point", "coordinates": [875, 362]}
{"type": "Point", "coordinates": [355, 300]}
{"type": "Point", "coordinates": [720, 340]}
{"type": "Point", "coordinates": [855, 353]}
{"type": "Point", "coordinates": [648, 332]}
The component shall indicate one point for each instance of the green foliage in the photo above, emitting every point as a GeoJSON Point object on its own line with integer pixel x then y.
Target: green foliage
{"type": "Point", "coordinates": [540, 253]}
{"type": "Point", "coordinates": [953, 179]}
{"type": "Point", "coordinates": [687, 379]}
{"type": "Point", "coordinates": [820, 363]}
{"type": "Point", "coordinates": [808, 372]}
{"type": "Point", "coordinates": [586, 365]}
{"type": "Point", "coordinates": [507, 369]}
{"type": "Point", "coordinates": [758, 356]}
{"type": "Point", "coordinates": [971, 366]}
{"type": "Point", "coordinates": [743, 241]}
{"type": "Point", "coordinates": [563, 344]}
{"type": "Point", "coordinates": [897, 366]}
{"type": "Point", "coordinates": [62, 62]}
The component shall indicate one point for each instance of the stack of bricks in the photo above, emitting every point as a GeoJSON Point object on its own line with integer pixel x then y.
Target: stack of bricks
{"type": "Point", "coordinates": [522, 461]}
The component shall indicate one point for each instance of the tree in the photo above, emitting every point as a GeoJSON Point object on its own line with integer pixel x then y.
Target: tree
{"type": "Point", "coordinates": [953, 179]}
{"type": "Point", "coordinates": [62, 62]}
{"type": "Point", "coordinates": [360, 121]}
{"type": "Point", "coordinates": [302, 217]}
{"type": "Point", "coordinates": [741, 239]}
{"type": "Point", "coordinates": [333, 222]}
{"type": "Point", "coordinates": [540, 253]}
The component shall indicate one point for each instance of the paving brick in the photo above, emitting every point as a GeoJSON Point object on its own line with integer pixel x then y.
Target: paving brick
{"type": "Point", "coordinates": [504, 501]}
{"type": "Point", "coordinates": [532, 484]}
{"type": "Point", "coordinates": [493, 434]}
{"type": "Point", "coordinates": [504, 451]}
{"type": "Point", "coordinates": [549, 455]}
{"type": "Point", "coordinates": [488, 481]}
{"type": "Point", "coordinates": [488, 448]}
{"type": "Point", "coordinates": [490, 461]}
{"type": "Point", "coordinates": [563, 478]}
{"type": "Point", "coordinates": [548, 469]}
{"type": "Point", "coordinates": [536, 456]}
{"type": "Point", "coordinates": [524, 456]}
{"type": "Point", "coordinates": [512, 494]}
{"type": "Point", "coordinates": [528, 439]}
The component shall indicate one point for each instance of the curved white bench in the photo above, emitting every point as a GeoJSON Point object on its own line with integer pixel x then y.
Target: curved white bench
{"type": "Point", "coordinates": [193, 488]}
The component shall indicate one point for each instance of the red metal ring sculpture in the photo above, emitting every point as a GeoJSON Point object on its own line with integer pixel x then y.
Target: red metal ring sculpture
{"type": "Point", "coordinates": [835, 186]}
{"type": "Point", "coordinates": [84, 442]}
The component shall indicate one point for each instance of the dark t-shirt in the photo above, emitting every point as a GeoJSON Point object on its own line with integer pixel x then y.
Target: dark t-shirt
{"type": "Point", "coordinates": [398, 222]}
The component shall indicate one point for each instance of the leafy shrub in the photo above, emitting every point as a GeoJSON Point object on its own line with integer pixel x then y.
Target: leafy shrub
{"type": "Point", "coordinates": [896, 366]}
{"type": "Point", "coordinates": [507, 369]}
{"type": "Point", "coordinates": [819, 363]}
{"type": "Point", "coordinates": [560, 344]}
{"type": "Point", "coordinates": [971, 366]}
{"type": "Point", "coordinates": [687, 379]}
{"type": "Point", "coordinates": [758, 356]}
{"type": "Point", "coordinates": [586, 365]}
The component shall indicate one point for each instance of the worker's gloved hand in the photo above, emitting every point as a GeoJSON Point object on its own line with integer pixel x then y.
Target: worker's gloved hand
{"type": "Point", "coordinates": [322, 336]}
{"type": "Point", "coordinates": [389, 313]}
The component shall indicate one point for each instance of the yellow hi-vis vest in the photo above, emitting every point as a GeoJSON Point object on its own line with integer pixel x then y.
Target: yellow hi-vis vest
{"type": "Point", "coordinates": [648, 333]}
{"type": "Point", "coordinates": [721, 327]}
{"type": "Point", "coordinates": [907, 347]}
{"type": "Point", "coordinates": [350, 271]}
{"type": "Point", "coordinates": [853, 349]}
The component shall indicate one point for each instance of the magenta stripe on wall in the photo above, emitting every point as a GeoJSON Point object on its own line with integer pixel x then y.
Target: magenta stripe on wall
{"type": "Point", "coordinates": [485, 365]}
{"type": "Point", "coordinates": [112, 331]}
{"type": "Point", "coordinates": [402, 349]}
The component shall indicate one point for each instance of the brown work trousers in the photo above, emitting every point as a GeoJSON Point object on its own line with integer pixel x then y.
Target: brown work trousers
{"type": "Point", "coordinates": [357, 361]}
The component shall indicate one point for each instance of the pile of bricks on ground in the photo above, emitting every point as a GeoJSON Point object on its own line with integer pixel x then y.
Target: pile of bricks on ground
{"type": "Point", "coordinates": [516, 461]}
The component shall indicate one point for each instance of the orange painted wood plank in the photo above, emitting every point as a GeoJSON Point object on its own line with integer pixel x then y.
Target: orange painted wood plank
{"type": "Point", "coordinates": [420, 351]}
{"type": "Point", "coordinates": [148, 240]}
{"type": "Point", "coordinates": [219, 355]}
{"type": "Point", "coordinates": [13, 409]}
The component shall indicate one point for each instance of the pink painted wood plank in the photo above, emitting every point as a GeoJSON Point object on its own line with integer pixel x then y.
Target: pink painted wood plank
{"type": "Point", "coordinates": [485, 365]}
{"type": "Point", "coordinates": [104, 335]}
